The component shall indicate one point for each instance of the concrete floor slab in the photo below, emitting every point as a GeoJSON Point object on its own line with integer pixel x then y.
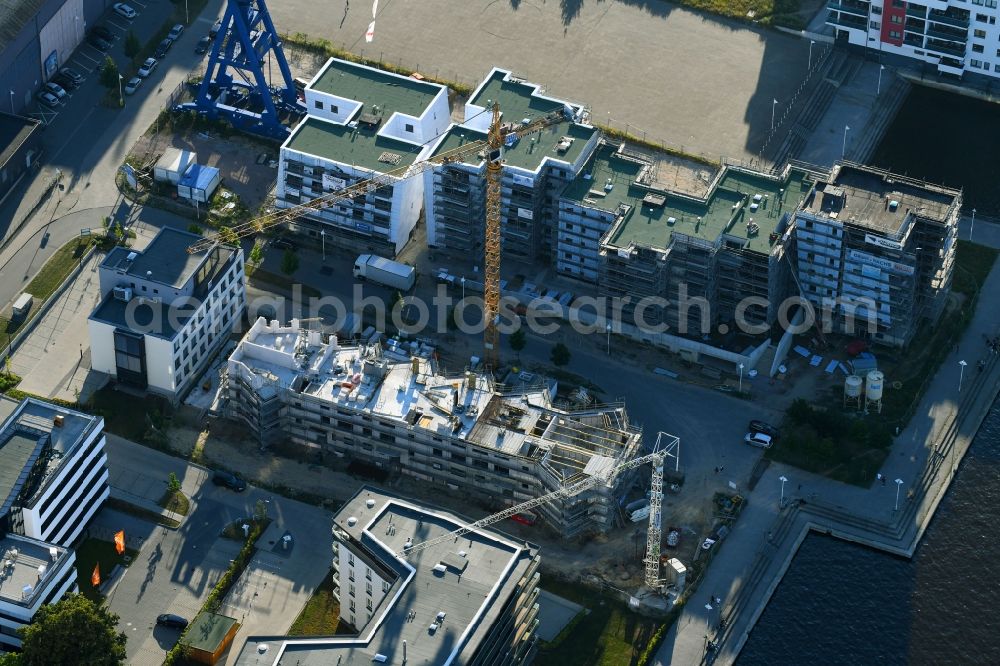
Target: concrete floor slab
{"type": "Point", "coordinates": [554, 613]}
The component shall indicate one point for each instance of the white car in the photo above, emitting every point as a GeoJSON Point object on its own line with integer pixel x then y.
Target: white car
{"type": "Point", "coordinates": [175, 32]}
{"type": "Point", "coordinates": [132, 85]}
{"type": "Point", "coordinates": [758, 439]}
{"type": "Point", "coordinates": [55, 89]}
{"type": "Point", "coordinates": [147, 67]}
{"type": "Point", "coordinates": [125, 11]}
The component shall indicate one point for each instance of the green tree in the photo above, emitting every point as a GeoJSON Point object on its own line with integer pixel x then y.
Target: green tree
{"type": "Point", "coordinates": [560, 354]}
{"type": "Point", "coordinates": [74, 630]}
{"type": "Point", "coordinates": [195, 229]}
{"type": "Point", "coordinates": [289, 262]}
{"type": "Point", "coordinates": [10, 659]}
{"type": "Point", "coordinates": [257, 254]}
{"type": "Point", "coordinates": [173, 483]}
{"type": "Point", "coordinates": [517, 340]}
{"type": "Point", "coordinates": [132, 45]}
{"type": "Point", "coordinates": [109, 73]}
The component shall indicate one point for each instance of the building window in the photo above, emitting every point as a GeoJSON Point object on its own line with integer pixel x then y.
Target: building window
{"type": "Point", "coordinates": [350, 589]}
{"type": "Point", "coordinates": [368, 603]}
{"type": "Point", "coordinates": [977, 48]}
{"type": "Point", "coordinates": [385, 587]}
{"type": "Point", "coordinates": [979, 34]}
{"type": "Point", "coordinates": [352, 605]}
{"type": "Point", "coordinates": [874, 25]}
{"type": "Point", "coordinates": [896, 19]}
{"type": "Point", "coordinates": [409, 128]}
{"type": "Point", "coordinates": [975, 63]}
{"type": "Point", "coordinates": [895, 34]}
{"type": "Point", "coordinates": [334, 109]}
{"type": "Point", "coordinates": [368, 588]}
{"type": "Point", "coordinates": [368, 573]}
{"type": "Point", "coordinates": [350, 559]}
{"type": "Point", "coordinates": [318, 104]}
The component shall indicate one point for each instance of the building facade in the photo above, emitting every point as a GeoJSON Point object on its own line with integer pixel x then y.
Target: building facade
{"type": "Point", "coordinates": [954, 36]}
{"type": "Point", "coordinates": [53, 479]}
{"type": "Point", "coordinates": [471, 600]}
{"type": "Point", "coordinates": [164, 313]}
{"type": "Point", "coordinates": [502, 444]}
{"type": "Point", "coordinates": [536, 169]}
{"type": "Point", "coordinates": [362, 122]}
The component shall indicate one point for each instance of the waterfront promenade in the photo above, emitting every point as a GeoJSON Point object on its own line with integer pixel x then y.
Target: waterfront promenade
{"type": "Point", "coordinates": [754, 557]}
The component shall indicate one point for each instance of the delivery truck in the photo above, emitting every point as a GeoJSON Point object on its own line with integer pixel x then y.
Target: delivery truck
{"type": "Point", "coordinates": [384, 271]}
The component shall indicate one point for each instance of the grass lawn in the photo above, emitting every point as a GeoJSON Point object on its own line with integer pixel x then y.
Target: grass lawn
{"type": "Point", "coordinates": [321, 615]}
{"type": "Point", "coordinates": [121, 416]}
{"type": "Point", "coordinates": [767, 12]}
{"type": "Point", "coordinates": [52, 274]}
{"type": "Point", "coordinates": [94, 551]}
{"type": "Point", "coordinates": [609, 635]}
{"type": "Point", "coordinates": [176, 502]}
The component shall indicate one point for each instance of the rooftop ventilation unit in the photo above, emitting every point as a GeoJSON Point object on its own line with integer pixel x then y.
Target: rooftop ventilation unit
{"type": "Point", "coordinates": [352, 521]}
{"type": "Point", "coordinates": [370, 503]}
{"type": "Point", "coordinates": [132, 256]}
{"type": "Point", "coordinates": [123, 294]}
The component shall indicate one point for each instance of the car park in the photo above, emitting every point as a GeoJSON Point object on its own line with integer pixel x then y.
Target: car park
{"type": "Point", "coordinates": [132, 85]}
{"type": "Point", "coordinates": [98, 43]}
{"type": "Point", "coordinates": [766, 428]}
{"type": "Point", "coordinates": [64, 81]}
{"type": "Point", "coordinates": [103, 32]}
{"type": "Point", "coordinates": [758, 439]}
{"type": "Point", "coordinates": [203, 45]}
{"type": "Point", "coordinates": [175, 32]}
{"type": "Point", "coordinates": [124, 11]}
{"type": "Point", "coordinates": [163, 47]}
{"type": "Point", "coordinates": [172, 621]}
{"type": "Point", "coordinates": [147, 68]}
{"type": "Point", "coordinates": [55, 89]}
{"type": "Point", "coordinates": [48, 99]}
{"type": "Point", "coordinates": [230, 481]}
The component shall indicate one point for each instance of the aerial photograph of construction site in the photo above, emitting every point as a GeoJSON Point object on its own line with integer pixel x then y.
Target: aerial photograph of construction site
{"type": "Point", "coordinates": [664, 332]}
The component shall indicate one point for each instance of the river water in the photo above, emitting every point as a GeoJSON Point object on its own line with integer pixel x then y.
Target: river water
{"type": "Point", "coordinates": [841, 603]}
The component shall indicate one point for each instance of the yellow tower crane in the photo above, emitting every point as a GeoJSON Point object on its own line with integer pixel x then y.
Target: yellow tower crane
{"type": "Point", "coordinates": [493, 147]}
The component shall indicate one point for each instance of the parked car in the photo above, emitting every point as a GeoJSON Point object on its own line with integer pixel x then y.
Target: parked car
{"type": "Point", "coordinates": [124, 11]}
{"type": "Point", "coordinates": [172, 621]}
{"type": "Point", "coordinates": [55, 89]}
{"type": "Point", "coordinates": [766, 428]}
{"type": "Point", "coordinates": [227, 480]}
{"type": "Point", "coordinates": [98, 43]}
{"type": "Point", "coordinates": [148, 65]}
{"type": "Point", "coordinates": [216, 27]}
{"type": "Point", "coordinates": [64, 81]}
{"type": "Point", "coordinates": [132, 85]}
{"type": "Point", "coordinates": [175, 31]}
{"type": "Point", "coordinates": [72, 74]}
{"type": "Point", "coordinates": [758, 439]}
{"type": "Point", "coordinates": [164, 46]}
{"type": "Point", "coordinates": [203, 45]}
{"type": "Point", "coordinates": [103, 32]}
{"type": "Point", "coordinates": [283, 243]}
{"type": "Point", "coordinates": [47, 98]}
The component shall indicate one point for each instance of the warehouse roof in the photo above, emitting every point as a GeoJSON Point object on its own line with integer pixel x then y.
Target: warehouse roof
{"type": "Point", "coordinates": [14, 15]}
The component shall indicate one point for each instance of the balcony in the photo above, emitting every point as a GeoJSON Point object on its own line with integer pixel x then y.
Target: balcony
{"type": "Point", "coordinates": [948, 34]}
{"type": "Point", "coordinates": [847, 21]}
{"type": "Point", "coordinates": [945, 47]}
{"type": "Point", "coordinates": [858, 8]}
{"type": "Point", "coordinates": [915, 25]}
{"type": "Point", "coordinates": [916, 11]}
{"type": "Point", "coordinates": [958, 21]}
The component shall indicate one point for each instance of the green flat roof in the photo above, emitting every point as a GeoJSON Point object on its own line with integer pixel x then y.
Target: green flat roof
{"type": "Point", "coordinates": [525, 154]}
{"type": "Point", "coordinates": [15, 454]}
{"type": "Point", "coordinates": [651, 226]}
{"type": "Point", "coordinates": [360, 147]}
{"type": "Point", "coordinates": [208, 631]}
{"type": "Point", "coordinates": [390, 92]}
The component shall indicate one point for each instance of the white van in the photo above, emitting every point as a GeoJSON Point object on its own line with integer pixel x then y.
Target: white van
{"type": "Point", "coordinates": [22, 305]}
{"type": "Point", "coordinates": [758, 439]}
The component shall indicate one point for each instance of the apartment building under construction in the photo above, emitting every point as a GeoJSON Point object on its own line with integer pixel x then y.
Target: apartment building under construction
{"type": "Point", "coordinates": [501, 444]}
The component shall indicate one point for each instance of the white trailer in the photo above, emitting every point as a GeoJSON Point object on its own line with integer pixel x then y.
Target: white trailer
{"type": "Point", "coordinates": [385, 271]}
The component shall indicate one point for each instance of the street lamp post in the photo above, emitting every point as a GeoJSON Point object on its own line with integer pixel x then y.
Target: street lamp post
{"type": "Point", "coordinates": [784, 480]}
{"type": "Point", "coordinates": [11, 102]}
{"type": "Point", "coordinates": [608, 329]}
{"type": "Point", "coordinates": [463, 287]}
{"type": "Point", "coordinates": [121, 98]}
{"type": "Point", "coordinates": [741, 378]}
{"type": "Point", "coordinates": [843, 150]}
{"type": "Point", "coordinates": [187, 16]}
{"type": "Point", "coordinates": [812, 42]}
{"type": "Point", "coordinates": [899, 482]}
{"type": "Point", "coordinates": [774, 106]}
{"type": "Point", "coordinates": [878, 88]}
{"type": "Point", "coordinates": [971, 228]}
{"type": "Point", "coordinates": [961, 374]}
{"type": "Point", "coordinates": [322, 236]}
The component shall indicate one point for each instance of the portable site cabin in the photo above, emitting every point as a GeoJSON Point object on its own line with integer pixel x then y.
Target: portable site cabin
{"type": "Point", "coordinates": [199, 183]}
{"type": "Point", "coordinates": [173, 164]}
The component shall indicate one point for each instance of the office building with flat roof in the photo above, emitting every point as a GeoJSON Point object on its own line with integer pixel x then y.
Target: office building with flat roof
{"type": "Point", "coordinates": [362, 122]}
{"type": "Point", "coordinates": [165, 312]}
{"type": "Point", "coordinates": [500, 444]}
{"type": "Point", "coordinates": [32, 573]}
{"type": "Point", "coordinates": [471, 600]}
{"type": "Point", "coordinates": [535, 170]}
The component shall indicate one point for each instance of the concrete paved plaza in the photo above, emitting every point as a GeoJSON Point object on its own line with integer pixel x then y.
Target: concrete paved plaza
{"type": "Point", "coordinates": [688, 79]}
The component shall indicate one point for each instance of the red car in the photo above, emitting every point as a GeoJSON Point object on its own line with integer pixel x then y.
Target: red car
{"type": "Point", "coordinates": [524, 518]}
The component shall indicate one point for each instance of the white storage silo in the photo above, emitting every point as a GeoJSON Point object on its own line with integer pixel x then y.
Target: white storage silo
{"type": "Point", "coordinates": [853, 389]}
{"type": "Point", "coordinates": [874, 386]}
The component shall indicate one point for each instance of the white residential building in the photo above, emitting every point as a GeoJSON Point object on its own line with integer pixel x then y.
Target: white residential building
{"type": "Point", "coordinates": [164, 313]}
{"type": "Point", "coordinates": [363, 122]}
{"type": "Point", "coordinates": [955, 36]}
{"type": "Point", "coordinates": [471, 600]}
{"type": "Point", "coordinates": [53, 479]}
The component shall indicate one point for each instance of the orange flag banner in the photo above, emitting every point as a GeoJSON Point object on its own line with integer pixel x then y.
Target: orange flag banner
{"type": "Point", "coordinates": [95, 578]}
{"type": "Point", "coordinates": [120, 542]}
